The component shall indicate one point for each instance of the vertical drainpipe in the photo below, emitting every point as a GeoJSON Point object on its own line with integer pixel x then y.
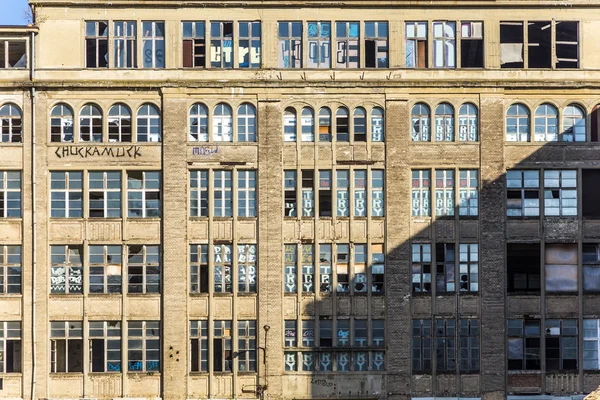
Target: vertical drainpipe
{"type": "Point", "coordinates": [33, 213]}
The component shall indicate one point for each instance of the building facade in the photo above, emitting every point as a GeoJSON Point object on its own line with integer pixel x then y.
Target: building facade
{"type": "Point", "coordinates": [300, 200]}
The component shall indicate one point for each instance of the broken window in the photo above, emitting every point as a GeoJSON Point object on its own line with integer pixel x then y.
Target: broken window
{"type": "Point", "coordinates": [421, 345]}
{"type": "Point", "coordinates": [66, 194]}
{"type": "Point", "coordinates": [13, 54]}
{"type": "Point", "coordinates": [290, 334]}
{"type": "Point", "coordinates": [523, 267]}
{"type": "Point", "coordinates": [119, 124]}
{"type": "Point", "coordinates": [444, 44]}
{"type": "Point", "coordinates": [444, 193]}
{"type": "Point", "coordinates": [560, 192]}
{"type": "Point", "coordinates": [222, 262]}
{"type": "Point", "coordinates": [96, 44]}
{"type": "Point", "coordinates": [325, 332]}
{"type": "Point", "coordinates": [421, 268]}
{"type": "Point", "coordinates": [221, 44]}
{"type": "Point", "coordinates": [324, 125]}
{"type": "Point", "coordinates": [66, 346]}
{"type": "Point", "coordinates": [308, 193]}
{"type": "Point", "coordinates": [198, 193]}
{"type": "Point", "coordinates": [308, 125]}
{"type": "Point", "coordinates": [522, 194]}
{"type": "Point", "coordinates": [567, 44]}
{"type": "Point", "coordinates": [416, 45]}
{"type": "Point", "coordinates": [377, 268]}
{"type": "Point", "coordinates": [199, 268]}
{"type": "Point", "coordinates": [148, 124]}
{"type": "Point", "coordinates": [90, 123]}
{"type": "Point", "coordinates": [325, 268]}
{"type": "Point", "coordinates": [539, 46]}
{"type": "Point", "coordinates": [194, 44]}
{"type": "Point", "coordinates": [342, 193]}
{"type": "Point", "coordinates": [469, 267]}
{"type": "Point", "coordinates": [290, 45]}
{"type": "Point", "coordinates": [308, 268]}
{"type": "Point", "coordinates": [246, 254]}
{"type": "Point", "coordinates": [524, 339]}
{"type": "Point", "coordinates": [10, 269]}
{"type": "Point", "coordinates": [308, 333]}
{"type": "Point", "coordinates": [199, 123]}
{"type": "Point", "coordinates": [199, 346]}
{"type": "Point", "coordinates": [377, 200]}
{"type": "Point", "coordinates": [591, 344]}
{"type": "Point", "coordinates": [590, 191]}
{"type": "Point", "coordinates": [105, 269]}
{"type": "Point", "coordinates": [420, 123]}
{"type": "Point", "coordinates": [468, 196]}
{"type": "Point", "coordinates": [471, 44]}
{"type": "Point", "coordinates": [359, 122]}
{"type": "Point", "coordinates": [348, 49]}
{"type": "Point", "coordinates": [421, 194]}
{"type": "Point", "coordinates": [153, 44]}
{"type": "Point", "coordinates": [561, 267]}
{"type": "Point", "coordinates": [61, 123]}
{"type": "Point", "coordinates": [10, 194]}
{"type": "Point", "coordinates": [360, 268]}
{"type": "Point", "coordinates": [445, 345]}
{"type": "Point", "coordinates": [573, 124]}
{"type": "Point", "coordinates": [143, 194]}
{"type": "Point", "coordinates": [222, 347]}
{"type": "Point", "coordinates": [468, 126]}
{"type": "Point", "coordinates": [444, 123]}
{"type": "Point", "coordinates": [325, 193]}
{"type": "Point", "coordinates": [360, 193]}
{"type": "Point", "coordinates": [143, 346]}
{"type": "Point", "coordinates": [104, 194]}
{"type": "Point", "coordinates": [10, 347]}
{"type": "Point", "coordinates": [222, 123]}
{"type": "Point", "coordinates": [469, 345]}
{"type": "Point", "coordinates": [246, 339]}
{"type": "Point", "coordinates": [561, 344]}
{"type": "Point", "coordinates": [105, 346]}
{"type": "Point", "coordinates": [341, 125]}
{"type": "Point", "coordinates": [377, 125]}
{"type": "Point", "coordinates": [376, 44]}
{"type": "Point", "coordinates": [246, 193]}
{"type": "Point", "coordinates": [246, 123]}
{"type": "Point", "coordinates": [289, 183]}
{"type": "Point", "coordinates": [11, 124]}
{"type": "Point", "coordinates": [511, 45]}
{"type": "Point", "coordinates": [143, 267]}
{"type": "Point", "coordinates": [66, 269]}
{"type": "Point", "coordinates": [445, 273]}
{"type": "Point", "coordinates": [517, 123]}
{"type": "Point", "coordinates": [546, 123]}
{"type": "Point", "coordinates": [290, 269]}
{"type": "Point", "coordinates": [249, 44]}
{"type": "Point", "coordinates": [289, 125]}
{"type": "Point", "coordinates": [591, 267]}
{"type": "Point", "coordinates": [343, 268]}
{"type": "Point", "coordinates": [319, 44]}
{"type": "Point", "coordinates": [125, 37]}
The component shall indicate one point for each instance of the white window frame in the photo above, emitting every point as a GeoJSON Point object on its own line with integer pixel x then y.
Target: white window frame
{"type": "Point", "coordinates": [246, 193]}
{"type": "Point", "coordinates": [117, 124]}
{"type": "Point", "coordinates": [67, 191]}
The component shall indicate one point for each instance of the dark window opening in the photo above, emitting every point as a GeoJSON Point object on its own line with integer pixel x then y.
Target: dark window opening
{"type": "Point", "coordinates": [567, 44]}
{"type": "Point", "coordinates": [523, 267]}
{"type": "Point", "coordinates": [539, 44]}
{"type": "Point", "coordinates": [511, 45]}
{"type": "Point", "coordinates": [591, 193]}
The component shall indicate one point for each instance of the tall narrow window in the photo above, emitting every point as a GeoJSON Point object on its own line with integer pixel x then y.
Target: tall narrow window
{"type": "Point", "coordinates": [469, 345]}
{"type": "Point", "coordinates": [199, 268]}
{"type": "Point", "coordinates": [153, 44]}
{"type": "Point", "coordinates": [469, 267]}
{"type": "Point", "coordinates": [546, 123]}
{"type": "Point", "coordinates": [194, 44]}
{"type": "Point", "coordinates": [539, 46]}
{"type": "Point", "coordinates": [444, 44]}
{"type": "Point", "coordinates": [66, 346]}
{"type": "Point", "coordinates": [561, 267]}
{"type": "Point", "coordinates": [246, 193]}
{"type": "Point", "coordinates": [420, 123]}
{"type": "Point", "coordinates": [445, 281]}
{"type": "Point", "coordinates": [66, 194]}
{"type": "Point", "coordinates": [143, 265]}
{"type": "Point", "coordinates": [522, 193]}
{"type": "Point", "coordinates": [221, 44]}
{"type": "Point", "coordinates": [445, 344]}
{"type": "Point", "coordinates": [96, 44]}
{"type": "Point", "coordinates": [444, 193]}
{"type": "Point", "coordinates": [342, 133]}
{"type": "Point", "coordinates": [290, 193]}
{"type": "Point", "coordinates": [561, 344]}
{"type": "Point", "coordinates": [377, 268]}
{"type": "Point", "coordinates": [289, 125]}
{"type": "Point", "coordinates": [246, 123]}
{"type": "Point", "coordinates": [308, 125]}
{"type": "Point", "coordinates": [468, 127]}
{"type": "Point", "coordinates": [591, 267]}
{"type": "Point", "coordinates": [360, 193]}
{"type": "Point", "coordinates": [199, 346]}
{"type": "Point", "coordinates": [104, 194]}
{"type": "Point", "coordinates": [325, 193]}
{"type": "Point", "coordinates": [342, 193]}
{"type": "Point", "coordinates": [376, 44]}
{"type": "Point", "coordinates": [377, 125]}
{"type": "Point", "coordinates": [471, 44]}
{"type": "Point", "coordinates": [308, 193]}
{"type": "Point", "coordinates": [421, 194]}
{"type": "Point", "coordinates": [308, 333]}
{"type": "Point", "coordinates": [119, 123]}
{"type": "Point", "coordinates": [143, 194]}
{"type": "Point", "coordinates": [377, 196]}
{"type": "Point", "coordinates": [468, 193]}
{"type": "Point", "coordinates": [567, 44]}
{"type": "Point", "coordinates": [360, 268]}
{"type": "Point", "coordinates": [222, 268]}
{"type": "Point", "coordinates": [523, 344]}
{"type": "Point", "coordinates": [308, 268]}
{"type": "Point", "coordinates": [289, 266]}
{"type": "Point", "coordinates": [290, 45]}
{"type": "Point", "coordinates": [246, 355]}
{"type": "Point", "coordinates": [512, 42]}
{"type": "Point", "coordinates": [324, 125]}
{"type": "Point", "coordinates": [360, 124]}
{"type": "Point", "coordinates": [343, 332]}
{"type": "Point", "coordinates": [222, 347]}
{"type": "Point", "coordinates": [444, 123]}
{"type": "Point", "coordinates": [199, 123]}
{"type": "Point", "coordinates": [90, 123]}
{"type": "Point", "coordinates": [591, 344]}
{"type": "Point", "coordinates": [199, 193]}
{"type": "Point", "coordinates": [249, 44]}
{"type": "Point", "coordinates": [319, 44]}
{"type": "Point", "coordinates": [61, 123]}
{"type": "Point", "coordinates": [421, 345]}
{"type": "Point", "coordinates": [325, 332]}
{"type": "Point", "coordinates": [148, 124]}
{"type": "Point", "coordinates": [143, 346]}
{"type": "Point", "coordinates": [347, 53]}
{"type": "Point", "coordinates": [11, 270]}
{"type": "Point", "coordinates": [290, 334]}
{"type": "Point", "coordinates": [343, 268]}
{"type": "Point", "coordinates": [573, 128]}
{"type": "Point", "coordinates": [416, 45]}
{"type": "Point", "coordinates": [10, 347]}
{"type": "Point", "coordinates": [11, 124]}
{"type": "Point", "coordinates": [246, 254]}
{"type": "Point", "coordinates": [105, 346]}
{"type": "Point", "coordinates": [325, 268]}
{"type": "Point", "coordinates": [517, 123]}
{"type": "Point", "coordinates": [222, 123]}
{"type": "Point", "coordinates": [66, 269]}
{"type": "Point", "coordinates": [105, 266]}
{"type": "Point", "coordinates": [421, 268]}
{"type": "Point", "coordinates": [560, 192]}
{"type": "Point", "coordinates": [125, 37]}
{"type": "Point", "coordinates": [10, 194]}
{"type": "Point", "coordinates": [222, 197]}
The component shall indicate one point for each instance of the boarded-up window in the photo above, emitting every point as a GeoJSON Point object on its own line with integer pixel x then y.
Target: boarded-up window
{"type": "Point", "coordinates": [561, 267]}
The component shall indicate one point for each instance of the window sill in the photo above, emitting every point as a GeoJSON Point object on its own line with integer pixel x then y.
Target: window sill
{"type": "Point", "coordinates": [199, 294]}
{"type": "Point", "coordinates": [525, 372]}
{"type": "Point", "coordinates": [105, 295]}
{"type": "Point", "coordinates": [99, 374]}
{"type": "Point", "coordinates": [149, 295]}
{"type": "Point", "coordinates": [247, 294]}
{"type": "Point", "coordinates": [450, 143]}
{"type": "Point", "coordinates": [66, 374]}
{"type": "Point", "coordinates": [65, 295]}
{"type": "Point", "coordinates": [524, 294]}
{"type": "Point", "coordinates": [137, 373]}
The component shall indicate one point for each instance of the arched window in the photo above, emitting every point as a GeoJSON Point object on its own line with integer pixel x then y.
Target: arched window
{"type": "Point", "coordinates": [546, 123]}
{"type": "Point", "coordinates": [11, 124]}
{"type": "Point", "coordinates": [444, 123]}
{"type": "Point", "coordinates": [90, 124]}
{"type": "Point", "coordinates": [468, 130]}
{"type": "Point", "coordinates": [308, 125]}
{"type": "Point", "coordinates": [360, 124]}
{"type": "Point", "coordinates": [289, 125]}
{"type": "Point", "coordinates": [573, 124]}
{"type": "Point", "coordinates": [419, 120]}
{"type": "Point", "coordinates": [324, 125]}
{"type": "Point", "coordinates": [119, 123]}
{"type": "Point", "coordinates": [222, 123]}
{"type": "Point", "coordinates": [246, 123]}
{"type": "Point", "coordinates": [148, 124]}
{"type": "Point", "coordinates": [517, 123]}
{"type": "Point", "coordinates": [199, 123]}
{"type": "Point", "coordinates": [341, 125]}
{"type": "Point", "coordinates": [377, 125]}
{"type": "Point", "coordinates": [61, 123]}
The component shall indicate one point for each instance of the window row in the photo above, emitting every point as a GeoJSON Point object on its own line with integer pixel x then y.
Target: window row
{"type": "Point", "coordinates": [326, 332]}
{"type": "Point", "coordinates": [448, 201]}
{"type": "Point", "coordinates": [445, 123]}
{"type": "Point", "coordinates": [214, 190]}
{"type": "Point", "coordinates": [106, 266]}
{"type": "Point", "coordinates": [359, 268]}
{"type": "Point", "coordinates": [329, 361]}
{"type": "Point", "coordinates": [104, 195]}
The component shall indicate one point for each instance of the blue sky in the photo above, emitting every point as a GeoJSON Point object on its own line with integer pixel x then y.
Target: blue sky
{"type": "Point", "coordinates": [12, 12]}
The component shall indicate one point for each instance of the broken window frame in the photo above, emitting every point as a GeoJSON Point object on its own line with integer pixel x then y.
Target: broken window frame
{"type": "Point", "coordinates": [307, 264]}
{"type": "Point", "coordinates": [66, 269]}
{"type": "Point", "coordinates": [518, 123]}
{"type": "Point", "coordinates": [444, 193]}
{"type": "Point", "coordinates": [421, 193]}
{"type": "Point", "coordinates": [11, 124]}
{"type": "Point", "coordinates": [342, 125]}
{"type": "Point", "coordinates": [518, 43]}
{"type": "Point", "coordinates": [11, 203]}
{"type": "Point", "coordinates": [247, 346]}
{"type": "Point", "coordinates": [560, 192]}
{"type": "Point", "coordinates": [558, 42]}
{"type": "Point", "coordinates": [359, 124]}
{"type": "Point", "coordinates": [108, 335]}
{"type": "Point", "coordinates": [468, 193]}
{"type": "Point", "coordinates": [290, 44]}
{"type": "Point", "coordinates": [377, 36]}
{"type": "Point", "coordinates": [377, 269]}
{"type": "Point", "coordinates": [468, 33]}
{"type": "Point", "coordinates": [307, 124]}
{"type": "Point", "coordinates": [360, 187]}
{"type": "Point", "coordinates": [420, 122]}
{"type": "Point", "coordinates": [325, 332]}
{"type": "Point", "coordinates": [444, 123]}
{"type": "Point", "coordinates": [246, 193]}
{"type": "Point", "coordinates": [573, 124]}
{"type": "Point", "coordinates": [222, 267]}
{"type": "Point", "coordinates": [153, 40]}
{"type": "Point", "coordinates": [10, 347]}
{"type": "Point", "coordinates": [325, 126]}
{"type": "Point", "coordinates": [308, 192]}
{"type": "Point", "coordinates": [104, 194]}
{"type": "Point", "coordinates": [421, 262]}
{"type": "Point", "coordinates": [377, 124]}
{"type": "Point", "coordinates": [91, 123]}
{"type": "Point", "coordinates": [525, 184]}
{"type": "Point", "coordinates": [221, 44]}
{"type": "Point", "coordinates": [11, 269]}
{"type": "Point", "coordinates": [446, 42]}
{"type": "Point", "coordinates": [249, 44]}
{"type": "Point", "coordinates": [325, 193]}
{"type": "Point", "coordinates": [590, 255]}
{"type": "Point", "coordinates": [105, 265]}
{"type": "Point", "coordinates": [359, 275]}
{"type": "Point", "coordinates": [468, 123]}
{"type": "Point", "coordinates": [469, 345]}
{"type": "Point", "coordinates": [468, 273]}
{"type": "Point", "coordinates": [144, 275]}
{"type": "Point", "coordinates": [525, 335]}
{"type": "Point", "coordinates": [535, 33]}
{"type": "Point", "coordinates": [546, 123]}
{"type": "Point", "coordinates": [342, 265]}
{"type": "Point", "coordinates": [222, 346]}
{"type": "Point", "coordinates": [290, 125]}
{"type": "Point", "coordinates": [591, 344]}
{"type": "Point", "coordinates": [70, 335]}
{"type": "Point", "coordinates": [445, 273]}
{"type": "Point", "coordinates": [199, 275]}
{"type": "Point", "coordinates": [5, 54]}
{"type": "Point", "coordinates": [125, 44]}
{"type": "Point", "coordinates": [290, 268]}
{"type": "Point", "coordinates": [143, 194]}
{"type": "Point", "coordinates": [199, 125]}
{"type": "Point", "coordinates": [422, 345]}
{"type": "Point", "coordinates": [119, 124]}
{"type": "Point", "coordinates": [246, 123]}
{"type": "Point", "coordinates": [148, 124]}
{"type": "Point", "coordinates": [199, 346]}
{"type": "Point", "coordinates": [247, 268]}
{"type": "Point", "coordinates": [194, 42]}
{"type": "Point", "coordinates": [290, 193]}
{"type": "Point", "coordinates": [523, 268]}
{"type": "Point", "coordinates": [416, 36]}
{"type": "Point", "coordinates": [561, 274]}
{"type": "Point", "coordinates": [347, 37]}
{"type": "Point", "coordinates": [199, 193]}
{"type": "Point", "coordinates": [222, 193]}
{"type": "Point", "coordinates": [95, 38]}
{"type": "Point", "coordinates": [62, 124]}
{"type": "Point", "coordinates": [222, 123]}
{"type": "Point", "coordinates": [318, 44]}
{"type": "Point", "coordinates": [445, 345]}
{"type": "Point", "coordinates": [561, 344]}
{"type": "Point", "coordinates": [66, 188]}
{"type": "Point", "coordinates": [325, 268]}
{"type": "Point", "coordinates": [143, 346]}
